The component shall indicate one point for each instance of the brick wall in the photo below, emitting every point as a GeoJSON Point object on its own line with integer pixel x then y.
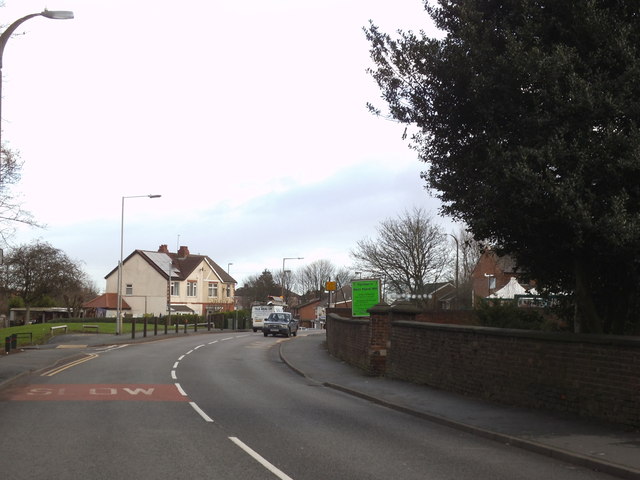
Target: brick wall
{"type": "Point", "coordinates": [589, 375]}
{"type": "Point", "coordinates": [348, 340]}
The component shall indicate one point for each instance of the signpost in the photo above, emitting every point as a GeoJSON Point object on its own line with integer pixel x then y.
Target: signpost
{"type": "Point", "coordinates": [365, 294]}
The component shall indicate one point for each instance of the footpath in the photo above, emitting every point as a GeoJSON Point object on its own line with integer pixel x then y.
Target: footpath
{"type": "Point", "coordinates": [596, 445]}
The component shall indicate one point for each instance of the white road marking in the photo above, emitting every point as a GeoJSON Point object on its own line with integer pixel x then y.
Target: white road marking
{"type": "Point", "coordinates": [182, 392]}
{"type": "Point", "coordinates": [180, 357]}
{"type": "Point", "coordinates": [215, 341]}
{"type": "Point", "coordinates": [189, 352]}
{"type": "Point", "coordinates": [199, 346]}
{"type": "Point", "coordinates": [228, 338]}
{"type": "Point", "coordinates": [260, 459]}
{"type": "Point", "coordinates": [175, 365]}
{"type": "Point", "coordinates": [173, 375]}
{"type": "Point", "coordinates": [206, 417]}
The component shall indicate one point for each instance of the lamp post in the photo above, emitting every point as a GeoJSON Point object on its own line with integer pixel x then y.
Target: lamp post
{"type": "Point", "coordinates": [228, 265]}
{"type": "Point", "coordinates": [53, 14]}
{"type": "Point", "coordinates": [457, 254]}
{"type": "Point", "coordinates": [283, 271]}
{"type": "Point", "coordinates": [119, 313]}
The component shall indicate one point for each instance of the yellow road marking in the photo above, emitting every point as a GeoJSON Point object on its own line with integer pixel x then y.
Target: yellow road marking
{"type": "Point", "coordinates": [62, 368]}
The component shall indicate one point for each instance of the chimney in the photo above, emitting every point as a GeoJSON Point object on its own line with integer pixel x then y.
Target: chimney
{"type": "Point", "coordinates": [183, 252]}
{"type": "Point", "coordinates": [163, 249]}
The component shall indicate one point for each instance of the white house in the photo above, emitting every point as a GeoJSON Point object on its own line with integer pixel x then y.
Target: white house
{"type": "Point", "coordinates": [196, 284]}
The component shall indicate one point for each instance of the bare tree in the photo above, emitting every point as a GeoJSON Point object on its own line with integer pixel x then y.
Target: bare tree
{"type": "Point", "coordinates": [409, 252]}
{"type": "Point", "coordinates": [11, 211]}
{"type": "Point", "coordinates": [37, 270]}
{"type": "Point", "coordinates": [468, 252]}
{"type": "Point", "coordinates": [312, 278]}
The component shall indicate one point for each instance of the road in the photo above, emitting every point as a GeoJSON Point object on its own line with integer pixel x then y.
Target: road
{"type": "Point", "coordinates": [224, 406]}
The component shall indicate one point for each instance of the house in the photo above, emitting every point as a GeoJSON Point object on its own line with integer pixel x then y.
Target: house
{"type": "Point", "coordinates": [308, 313]}
{"type": "Point", "coordinates": [105, 305]}
{"type": "Point", "coordinates": [440, 295]}
{"type": "Point", "coordinates": [196, 283]}
{"type": "Point", "coordinates": [492, 273]}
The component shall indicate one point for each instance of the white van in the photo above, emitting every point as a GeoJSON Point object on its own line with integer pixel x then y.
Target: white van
{"type": "Point", "coordinates": [260, 312]}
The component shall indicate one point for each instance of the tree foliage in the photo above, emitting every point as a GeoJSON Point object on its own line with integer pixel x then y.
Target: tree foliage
{"type": "Point", "coordinates": [257, 288]}
{"type": "Point", "coordinates": [527, 113]}
{"type": "Point", "coordinates": [409, 252]}
{"type": "Point", "coordinates": [36, 272]}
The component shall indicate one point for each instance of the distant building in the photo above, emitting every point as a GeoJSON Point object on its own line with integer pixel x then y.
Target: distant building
{"type": "Point", "coordinates": [152, 280]}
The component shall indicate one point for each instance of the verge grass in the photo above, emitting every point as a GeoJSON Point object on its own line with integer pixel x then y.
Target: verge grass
{"type": "Point", "coordinates": [41, 332]}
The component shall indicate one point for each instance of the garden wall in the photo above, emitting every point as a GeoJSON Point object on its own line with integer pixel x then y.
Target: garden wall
{"type": "Point", "coordinates": [590, 375]}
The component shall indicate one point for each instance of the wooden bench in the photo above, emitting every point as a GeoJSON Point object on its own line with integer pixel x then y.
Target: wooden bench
{"type": "Point", "coordinates": [91, 327]}
{"type": "Point", "coordinates": [59, 327]}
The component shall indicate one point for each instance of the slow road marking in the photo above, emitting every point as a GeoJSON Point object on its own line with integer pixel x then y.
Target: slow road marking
{"type": "Point", "coordinates": [97, 392]}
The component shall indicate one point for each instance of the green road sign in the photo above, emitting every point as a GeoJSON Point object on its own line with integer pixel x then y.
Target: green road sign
{"type": "Point", "coordinates": [365, 294]}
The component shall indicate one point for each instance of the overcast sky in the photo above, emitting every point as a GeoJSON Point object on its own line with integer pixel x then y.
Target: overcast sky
{"type": "Point", "coordinates": [248, 117]}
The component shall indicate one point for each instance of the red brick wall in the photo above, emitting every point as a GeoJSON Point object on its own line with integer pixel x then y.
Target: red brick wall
{"type": "Point", "coordinates": [589, 375]}
{"type": "Point", "coordinates": [348, 340]}
{"type": "Point", "coordinates": [594, 376]}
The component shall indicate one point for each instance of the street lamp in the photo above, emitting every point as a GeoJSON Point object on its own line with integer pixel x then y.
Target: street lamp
{"type": "Point", "coordinates": [119, 314]}
{"type": "Point", "coordinates": [283, 271]}
{"type": "Point", "coordinates": [53, 14]}
{"type": "Point", "coordinates": [457, 267]}
{"type": "Point", "coordinates": [228, 265]}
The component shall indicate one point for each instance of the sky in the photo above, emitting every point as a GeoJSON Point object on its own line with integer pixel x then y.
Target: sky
{"type": "Point", "coordinates": [248, 117]}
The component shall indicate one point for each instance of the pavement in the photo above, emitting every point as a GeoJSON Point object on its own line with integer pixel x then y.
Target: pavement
{"type": "Point", "coordinates": [609, 448]}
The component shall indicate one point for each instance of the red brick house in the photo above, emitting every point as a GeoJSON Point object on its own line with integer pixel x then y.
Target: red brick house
{"type": "Point", "coordinates": [491, 273]}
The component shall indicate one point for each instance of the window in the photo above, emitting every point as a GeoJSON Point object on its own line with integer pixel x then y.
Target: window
{"type": "Point", "coordinates": [228, 290]}
{"type": "Point", "coordinates": [175, 288]}
{"type": "Point", "coordinates": [213, 289]}
{"type": "Point", "coordinates": [128, 289]}
{"type": "Point", "coordinates": [192, 289]}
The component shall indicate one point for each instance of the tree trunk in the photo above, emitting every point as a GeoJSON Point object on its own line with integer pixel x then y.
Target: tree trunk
{"type": "Point", "coordinates": [586, 318]}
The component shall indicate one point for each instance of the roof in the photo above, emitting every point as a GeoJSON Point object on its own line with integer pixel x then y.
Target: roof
{"type": "Point", "coordinates": [108, 301]}
{"type": "Point", "coordinates": [181, 267]}
{"type": "Point", "coordinates": [511, 289]}
{"type": "Point", "coordinates": [181, 309]}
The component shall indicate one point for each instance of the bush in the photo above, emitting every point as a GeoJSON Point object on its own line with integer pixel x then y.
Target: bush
{"type": "Point", "coordinates": [506, 314]}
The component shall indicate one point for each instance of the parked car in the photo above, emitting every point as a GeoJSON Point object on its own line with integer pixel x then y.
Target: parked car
{"type": "Point", "coordinates": [280, 323]}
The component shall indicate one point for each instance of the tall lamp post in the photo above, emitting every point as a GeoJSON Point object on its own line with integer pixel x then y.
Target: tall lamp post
{"type": "Point", "coordinates": [54, 14]}
{"type": "Point", "coordinates": [457, 267]}
{"type": "Point", "coordinates": [284, 273]}
{"type": "Point", "coordinates": [119, 314]}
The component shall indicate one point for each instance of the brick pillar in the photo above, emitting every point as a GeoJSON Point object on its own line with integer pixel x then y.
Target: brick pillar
{"type": "Point", "coordinates": [379, 332]}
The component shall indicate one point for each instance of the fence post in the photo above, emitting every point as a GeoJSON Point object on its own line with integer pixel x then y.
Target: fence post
{"type": "Point", "coordinates": [14, 341]}
{"type": "Point", "coordinates": [7, 345]}
{"type": "Point", "coordinates": [145, 322]}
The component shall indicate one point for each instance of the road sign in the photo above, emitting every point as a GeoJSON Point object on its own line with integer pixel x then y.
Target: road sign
{"type": "Point", "coordinates": [365, 294]}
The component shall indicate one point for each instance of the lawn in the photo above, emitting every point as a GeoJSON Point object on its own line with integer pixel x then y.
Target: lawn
{"type": "Point", "coordinates": [41, 332]}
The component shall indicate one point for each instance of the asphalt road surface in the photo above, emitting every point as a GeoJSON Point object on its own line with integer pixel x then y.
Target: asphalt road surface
{"type": "Point", "coordinates": [224, 406]}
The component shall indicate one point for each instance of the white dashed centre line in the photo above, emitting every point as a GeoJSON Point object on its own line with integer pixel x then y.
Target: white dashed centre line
{"type": "Point", "coordinates": [206, 417]}
{"type": "Point", "coordinates": [260, 459]}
